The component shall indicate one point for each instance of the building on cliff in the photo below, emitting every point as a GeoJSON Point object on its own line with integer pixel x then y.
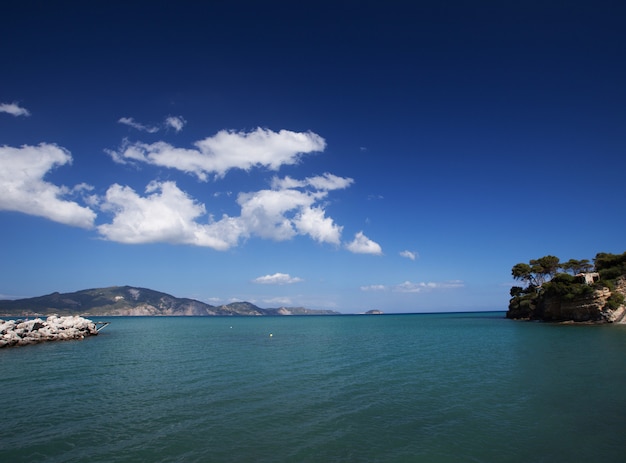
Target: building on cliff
{"type": "Point", "coordinates": [589, 277]}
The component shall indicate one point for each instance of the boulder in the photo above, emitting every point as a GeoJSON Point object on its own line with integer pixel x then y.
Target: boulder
{"type": "Point", "coordinates": [54, 328]}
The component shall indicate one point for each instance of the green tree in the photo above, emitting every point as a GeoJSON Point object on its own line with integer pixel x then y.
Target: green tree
{"type": "Point", "coordinates": [606, 261]}
{"type": "Point", "coordinates": [517, 291]}
{"type": "Point", "coordinates": [538, 271]}
{"type": "Point", "coordinates": [577, 266]}
{"type": "Point", "coordinates": [524, 272]}
{"type": "Point", "coordinates": [546, 267]}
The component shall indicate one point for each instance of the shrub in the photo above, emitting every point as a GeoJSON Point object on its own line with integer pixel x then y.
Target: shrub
{"type": "Point", "coordinates": [614, 301]}
{"type": "Point", "coordinates": [567, 287]}
{"type": "Point", "coordinates": [605, 284]}
{"type": "Point", "coordinates": [611, 273]}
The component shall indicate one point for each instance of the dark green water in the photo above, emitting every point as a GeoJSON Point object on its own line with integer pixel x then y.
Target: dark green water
{"type": "Point", "coordinates": [406, 388]}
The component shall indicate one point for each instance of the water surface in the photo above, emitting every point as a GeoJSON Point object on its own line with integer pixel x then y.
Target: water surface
{"type": "Point", "coordinates": [394, 388]}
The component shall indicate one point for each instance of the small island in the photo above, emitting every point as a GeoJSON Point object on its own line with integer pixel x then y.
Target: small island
{"type": "Point", "coordinates": [572, 291]}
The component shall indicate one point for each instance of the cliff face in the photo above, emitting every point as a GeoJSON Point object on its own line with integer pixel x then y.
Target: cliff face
{"type": "Point", "coordinates": [592, 308]}
{"type": "Point", "coordinates": [582, 309]}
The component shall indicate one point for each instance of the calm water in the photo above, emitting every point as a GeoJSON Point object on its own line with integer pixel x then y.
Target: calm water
{"type": "Point", "coordinates": [406, 388]}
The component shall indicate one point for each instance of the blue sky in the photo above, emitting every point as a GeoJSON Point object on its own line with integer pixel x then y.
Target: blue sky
{"type": "Point", "coordinates": [344, 155]}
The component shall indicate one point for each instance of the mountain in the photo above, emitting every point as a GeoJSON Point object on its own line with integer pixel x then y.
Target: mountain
{"type": "Point", "coordinates": [132, 301]}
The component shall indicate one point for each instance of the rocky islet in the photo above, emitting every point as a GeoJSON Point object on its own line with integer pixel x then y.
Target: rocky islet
{"type": "Point", "coordinates": [53, 328]}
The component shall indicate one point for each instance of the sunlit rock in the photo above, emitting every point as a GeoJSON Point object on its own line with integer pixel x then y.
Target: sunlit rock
{"type": "Point", "coordinates": [54, 328]}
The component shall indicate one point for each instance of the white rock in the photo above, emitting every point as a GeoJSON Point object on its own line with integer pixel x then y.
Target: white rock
{"type": "Point", "coordinates": [22, 332]}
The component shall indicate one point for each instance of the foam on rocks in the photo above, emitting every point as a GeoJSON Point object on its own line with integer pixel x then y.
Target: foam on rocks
{"type": "Point", "coordinates": [54, 328]}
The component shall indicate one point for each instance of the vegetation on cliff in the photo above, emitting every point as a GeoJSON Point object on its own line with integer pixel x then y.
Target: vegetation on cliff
{"type": "Point", "coordinates": [575, 290]}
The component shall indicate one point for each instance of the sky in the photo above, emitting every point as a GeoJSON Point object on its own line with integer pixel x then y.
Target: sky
{"type": "Point", "coordinates": [346, 155]}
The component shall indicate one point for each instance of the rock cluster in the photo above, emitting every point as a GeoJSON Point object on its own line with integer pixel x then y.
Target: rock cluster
{"type": "Point", "coordinates": [24, 332]}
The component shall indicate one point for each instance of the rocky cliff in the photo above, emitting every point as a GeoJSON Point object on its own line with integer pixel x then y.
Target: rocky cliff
{"type": "Point", "coordinates": [590, 308]}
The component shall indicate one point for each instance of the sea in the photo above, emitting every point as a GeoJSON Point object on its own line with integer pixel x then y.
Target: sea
{"type": "Point", "coordinates": [451, 387]}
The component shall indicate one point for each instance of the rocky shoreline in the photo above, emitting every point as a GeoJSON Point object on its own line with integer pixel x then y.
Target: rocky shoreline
{"type": "Point", "coordinates": [53, 328]}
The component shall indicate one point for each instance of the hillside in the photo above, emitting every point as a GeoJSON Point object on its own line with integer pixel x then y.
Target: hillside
{"type": "Point", "coordinates": [132, 301]}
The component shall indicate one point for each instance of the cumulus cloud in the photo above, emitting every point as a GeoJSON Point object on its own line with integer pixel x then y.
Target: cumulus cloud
{"type": "Point", "coordinates": [265, 213]}
{"type": "Point", "coordinates": [291, 208]}
{"type": "Point", "coordinates": [130, 122]}
{"type": "Point", "coordinates": [14, 109]}
{"type": "Point", "coordinates": [363, 245]}
{"type": "Point", "coordinates": [224, 151]}
{"type": "Point", "coordinates": [165, 214]}
{"type": "Point", "coordinates": [312, 221]}
{"type": "Point", "coordinates": [277, 279]}
{"type": "Point", "coordinates": [175, 122]}
{"type": "Point", "coordinates": [409, 254]}
{"type": "Point", "coordinates": [23, 188]}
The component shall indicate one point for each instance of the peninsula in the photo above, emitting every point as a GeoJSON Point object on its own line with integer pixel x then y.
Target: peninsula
{"type": "Point", "coordinates": [572, 291]}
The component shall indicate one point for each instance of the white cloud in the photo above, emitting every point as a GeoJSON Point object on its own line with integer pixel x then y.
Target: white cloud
{"type": "Point", "coordinates": [129, 121]}
{"type": "Point", "coordinates": [373, 288]}
{"type": "Point", "coordinates": [410, 287]}
{"type": "Point", "coordinates": [171, 122]}
{"type": "Point", "coordinates": [277, 279]}
{"type": "Point", "coordinates": [175, 122]}
{"type": "Point", "coordinates": [264, 213]}
{"type": "Point", "coordinates": [14, 109]}
{"type": "Point", "coordinates": [363, 245]}
{"type": "Point", "coordinates": [282, 214]}
{"type": "Point", "coordinates": [287, 183]}
{"type": "Point", "coordinates": [226, 150]}
{"type": "Point", "coordinates": [312, 221]}
{"type": "Point", "coordinates": [23, 188]}
{"type": "Point", "coordinates": [409, 254]}
{"type": "Point", "coordinates": [328, 182]}
{"type": "Point", "coordinates": [325, 182]}
{"type": "Point", "coordinates": [165, 214]}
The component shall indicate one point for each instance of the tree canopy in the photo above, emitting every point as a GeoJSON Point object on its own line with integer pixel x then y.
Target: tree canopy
{"type": "Point", "coordinates": [538, 271]}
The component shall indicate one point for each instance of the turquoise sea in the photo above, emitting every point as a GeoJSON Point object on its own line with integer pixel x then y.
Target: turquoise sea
{"type": "Point", "coordinates": [463, 387]}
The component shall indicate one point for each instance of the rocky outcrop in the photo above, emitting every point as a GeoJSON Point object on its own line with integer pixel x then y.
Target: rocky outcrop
{"type": "Point", "coordinates": [54, 328]}
{"type": "Point", "coordinates": [592, 308]}
{"type": "Point", "coordinates": [582, 309]}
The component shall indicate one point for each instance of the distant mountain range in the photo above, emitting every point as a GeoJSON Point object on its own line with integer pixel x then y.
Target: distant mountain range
{"type": "Point", "coordinates": [132, 301]}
